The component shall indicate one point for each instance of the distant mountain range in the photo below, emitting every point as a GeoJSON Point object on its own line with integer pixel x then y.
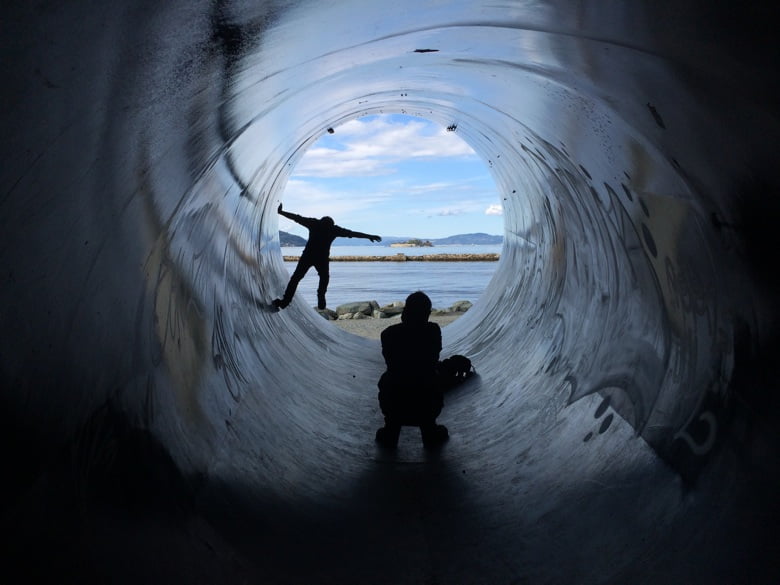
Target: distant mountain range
{"type": "Point", "coordinates": [287, 239]}
{"type": "Point", "coordinates": [468, 239]}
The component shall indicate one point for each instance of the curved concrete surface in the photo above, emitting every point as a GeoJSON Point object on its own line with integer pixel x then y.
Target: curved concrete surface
{"type": "Point", "coordinates": [162, 424]}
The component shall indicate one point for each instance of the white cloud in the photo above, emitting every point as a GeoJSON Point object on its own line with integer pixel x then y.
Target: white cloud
{"type": "Point", "coordinates": [494, 209]}
{"type": "Point", "coordinates": [449, 212]}
{"type": "Point", "coordinates": [311, 200]}
{"type": "Point", "coordinates": [372, 147]}
{"type": "Point", "coordinates": [330, 163]}
{"type": "Point", "coordinates": [355, 210]}
{"type": "Point", "coordinates": [434, 187]}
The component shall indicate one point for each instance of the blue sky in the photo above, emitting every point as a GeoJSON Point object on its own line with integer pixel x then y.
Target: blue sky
{"type": "Point", "coordinates": [394, 175]}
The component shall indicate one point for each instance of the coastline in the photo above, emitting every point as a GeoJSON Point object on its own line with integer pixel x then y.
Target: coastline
{"type": "Point", "coordinates": [400, 257]}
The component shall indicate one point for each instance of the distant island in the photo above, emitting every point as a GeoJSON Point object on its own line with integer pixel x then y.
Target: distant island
{"type": "Point", "coordinates": [289, 240]}
{"type": "Point", "coordinates": [413, 243]}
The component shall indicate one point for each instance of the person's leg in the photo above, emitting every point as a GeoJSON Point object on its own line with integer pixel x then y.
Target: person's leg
{"type": "Point", "coordinates": [433, 434]}
{"type": "Point", "coordinates": [297, 275]}
{"type": "Point", "coordinates": [387, 436]}
{"type": "Point", "coordinates": [323, 269]}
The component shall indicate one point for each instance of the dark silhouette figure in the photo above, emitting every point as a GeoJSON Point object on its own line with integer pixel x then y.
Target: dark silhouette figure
{"type": "Point", "coordinates": [316, 253]}
{"type": "Point", "coordinates": [410, 391]}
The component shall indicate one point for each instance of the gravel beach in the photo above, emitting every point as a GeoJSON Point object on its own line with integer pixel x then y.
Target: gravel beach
{"type": "Point", "coordinates": [372, 328]}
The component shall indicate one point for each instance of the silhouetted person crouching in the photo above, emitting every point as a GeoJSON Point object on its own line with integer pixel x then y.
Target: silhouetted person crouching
{"type": "Point", "coordinates": [316, 253]}
{"type": "Point", "coordinates": [410, 392]}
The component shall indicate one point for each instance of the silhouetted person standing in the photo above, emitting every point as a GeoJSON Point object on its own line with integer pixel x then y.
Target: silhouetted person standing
{"type": "Point", "coordinates": [410, 392]}
{"type": "Point", "coordinates": [316, 253]}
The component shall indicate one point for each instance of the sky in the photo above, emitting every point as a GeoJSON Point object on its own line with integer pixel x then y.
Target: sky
{"type": "Point", "coordinates": [394, 175]}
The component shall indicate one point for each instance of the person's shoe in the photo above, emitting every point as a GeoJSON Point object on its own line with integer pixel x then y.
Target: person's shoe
{"type": "Point", "coordinates": [321, 302]}
{"type": "Point", "coordinates": [387, 438]}
{"type": "Point", "coordinates": [280, 303]}
{"type": "Point", "coordinates": [435, 436]}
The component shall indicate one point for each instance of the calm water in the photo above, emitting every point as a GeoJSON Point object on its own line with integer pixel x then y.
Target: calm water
{"type": "Point", "coordinates": [385, 282]}
{"type": "Point", "coordinates": [380, 250]}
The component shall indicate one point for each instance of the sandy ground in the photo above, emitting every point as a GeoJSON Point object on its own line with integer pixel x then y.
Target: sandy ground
{"type": "Point", "coordinates": [372, 328]}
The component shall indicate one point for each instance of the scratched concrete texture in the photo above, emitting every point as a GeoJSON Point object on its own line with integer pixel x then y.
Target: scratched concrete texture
{"type": "Point", "coordinates": [162, 423]}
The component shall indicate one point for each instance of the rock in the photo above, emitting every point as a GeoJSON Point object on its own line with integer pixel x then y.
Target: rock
{"type": "Point", "coordinates": [379, 314]}
{"type": "Point", "coordinates": [360, 316]}
{"type": "Point", "coordinates": [345, 316]}
{"type": "Point", "coordinates": [328, 314]}
{"type": "Point", "coordinates": [365, 307]}
{"type": "Point", "coordinates": [394, 308]}
{"type": "Point", "coordinates": [461, 306]}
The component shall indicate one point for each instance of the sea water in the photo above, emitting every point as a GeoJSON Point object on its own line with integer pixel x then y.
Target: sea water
{"type": "Point", "coordinates": [385, 282]}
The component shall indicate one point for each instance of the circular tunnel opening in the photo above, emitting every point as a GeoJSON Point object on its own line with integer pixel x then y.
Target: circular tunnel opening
{"type": "Point", "coordinates": [139, 209]}
{"type": "Point", "coordinates": [429, 195]}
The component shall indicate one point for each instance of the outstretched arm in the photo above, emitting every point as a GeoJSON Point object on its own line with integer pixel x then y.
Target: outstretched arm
{"type": "Point", "coordinates": [304, 221]}
{"type": "Point", "coordinates": [345, 233]}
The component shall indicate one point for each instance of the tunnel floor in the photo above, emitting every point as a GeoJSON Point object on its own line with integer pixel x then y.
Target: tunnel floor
{"type": "Point", "coordinates": [546, 507]}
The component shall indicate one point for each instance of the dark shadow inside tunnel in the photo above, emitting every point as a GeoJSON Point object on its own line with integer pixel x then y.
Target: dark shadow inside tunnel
{"type": "Point", "coordinates": [115, 507]}
{"type": "Point", "coordinates": [162, 424]}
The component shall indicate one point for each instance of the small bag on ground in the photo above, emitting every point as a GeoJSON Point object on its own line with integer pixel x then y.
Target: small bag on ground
{"type": "Point", "coordinates": [454, 370]}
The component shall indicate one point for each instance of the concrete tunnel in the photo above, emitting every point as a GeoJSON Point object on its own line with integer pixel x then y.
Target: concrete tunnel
{"type": "Point", "coordinates": [161, 424]}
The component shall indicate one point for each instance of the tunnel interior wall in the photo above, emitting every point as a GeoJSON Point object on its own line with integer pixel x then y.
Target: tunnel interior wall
{"type": "Point", "coordinates": [146, 151]}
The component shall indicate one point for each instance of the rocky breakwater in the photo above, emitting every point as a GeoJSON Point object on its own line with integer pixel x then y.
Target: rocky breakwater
{"type": "Point", "coordinates": [372, 310]}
